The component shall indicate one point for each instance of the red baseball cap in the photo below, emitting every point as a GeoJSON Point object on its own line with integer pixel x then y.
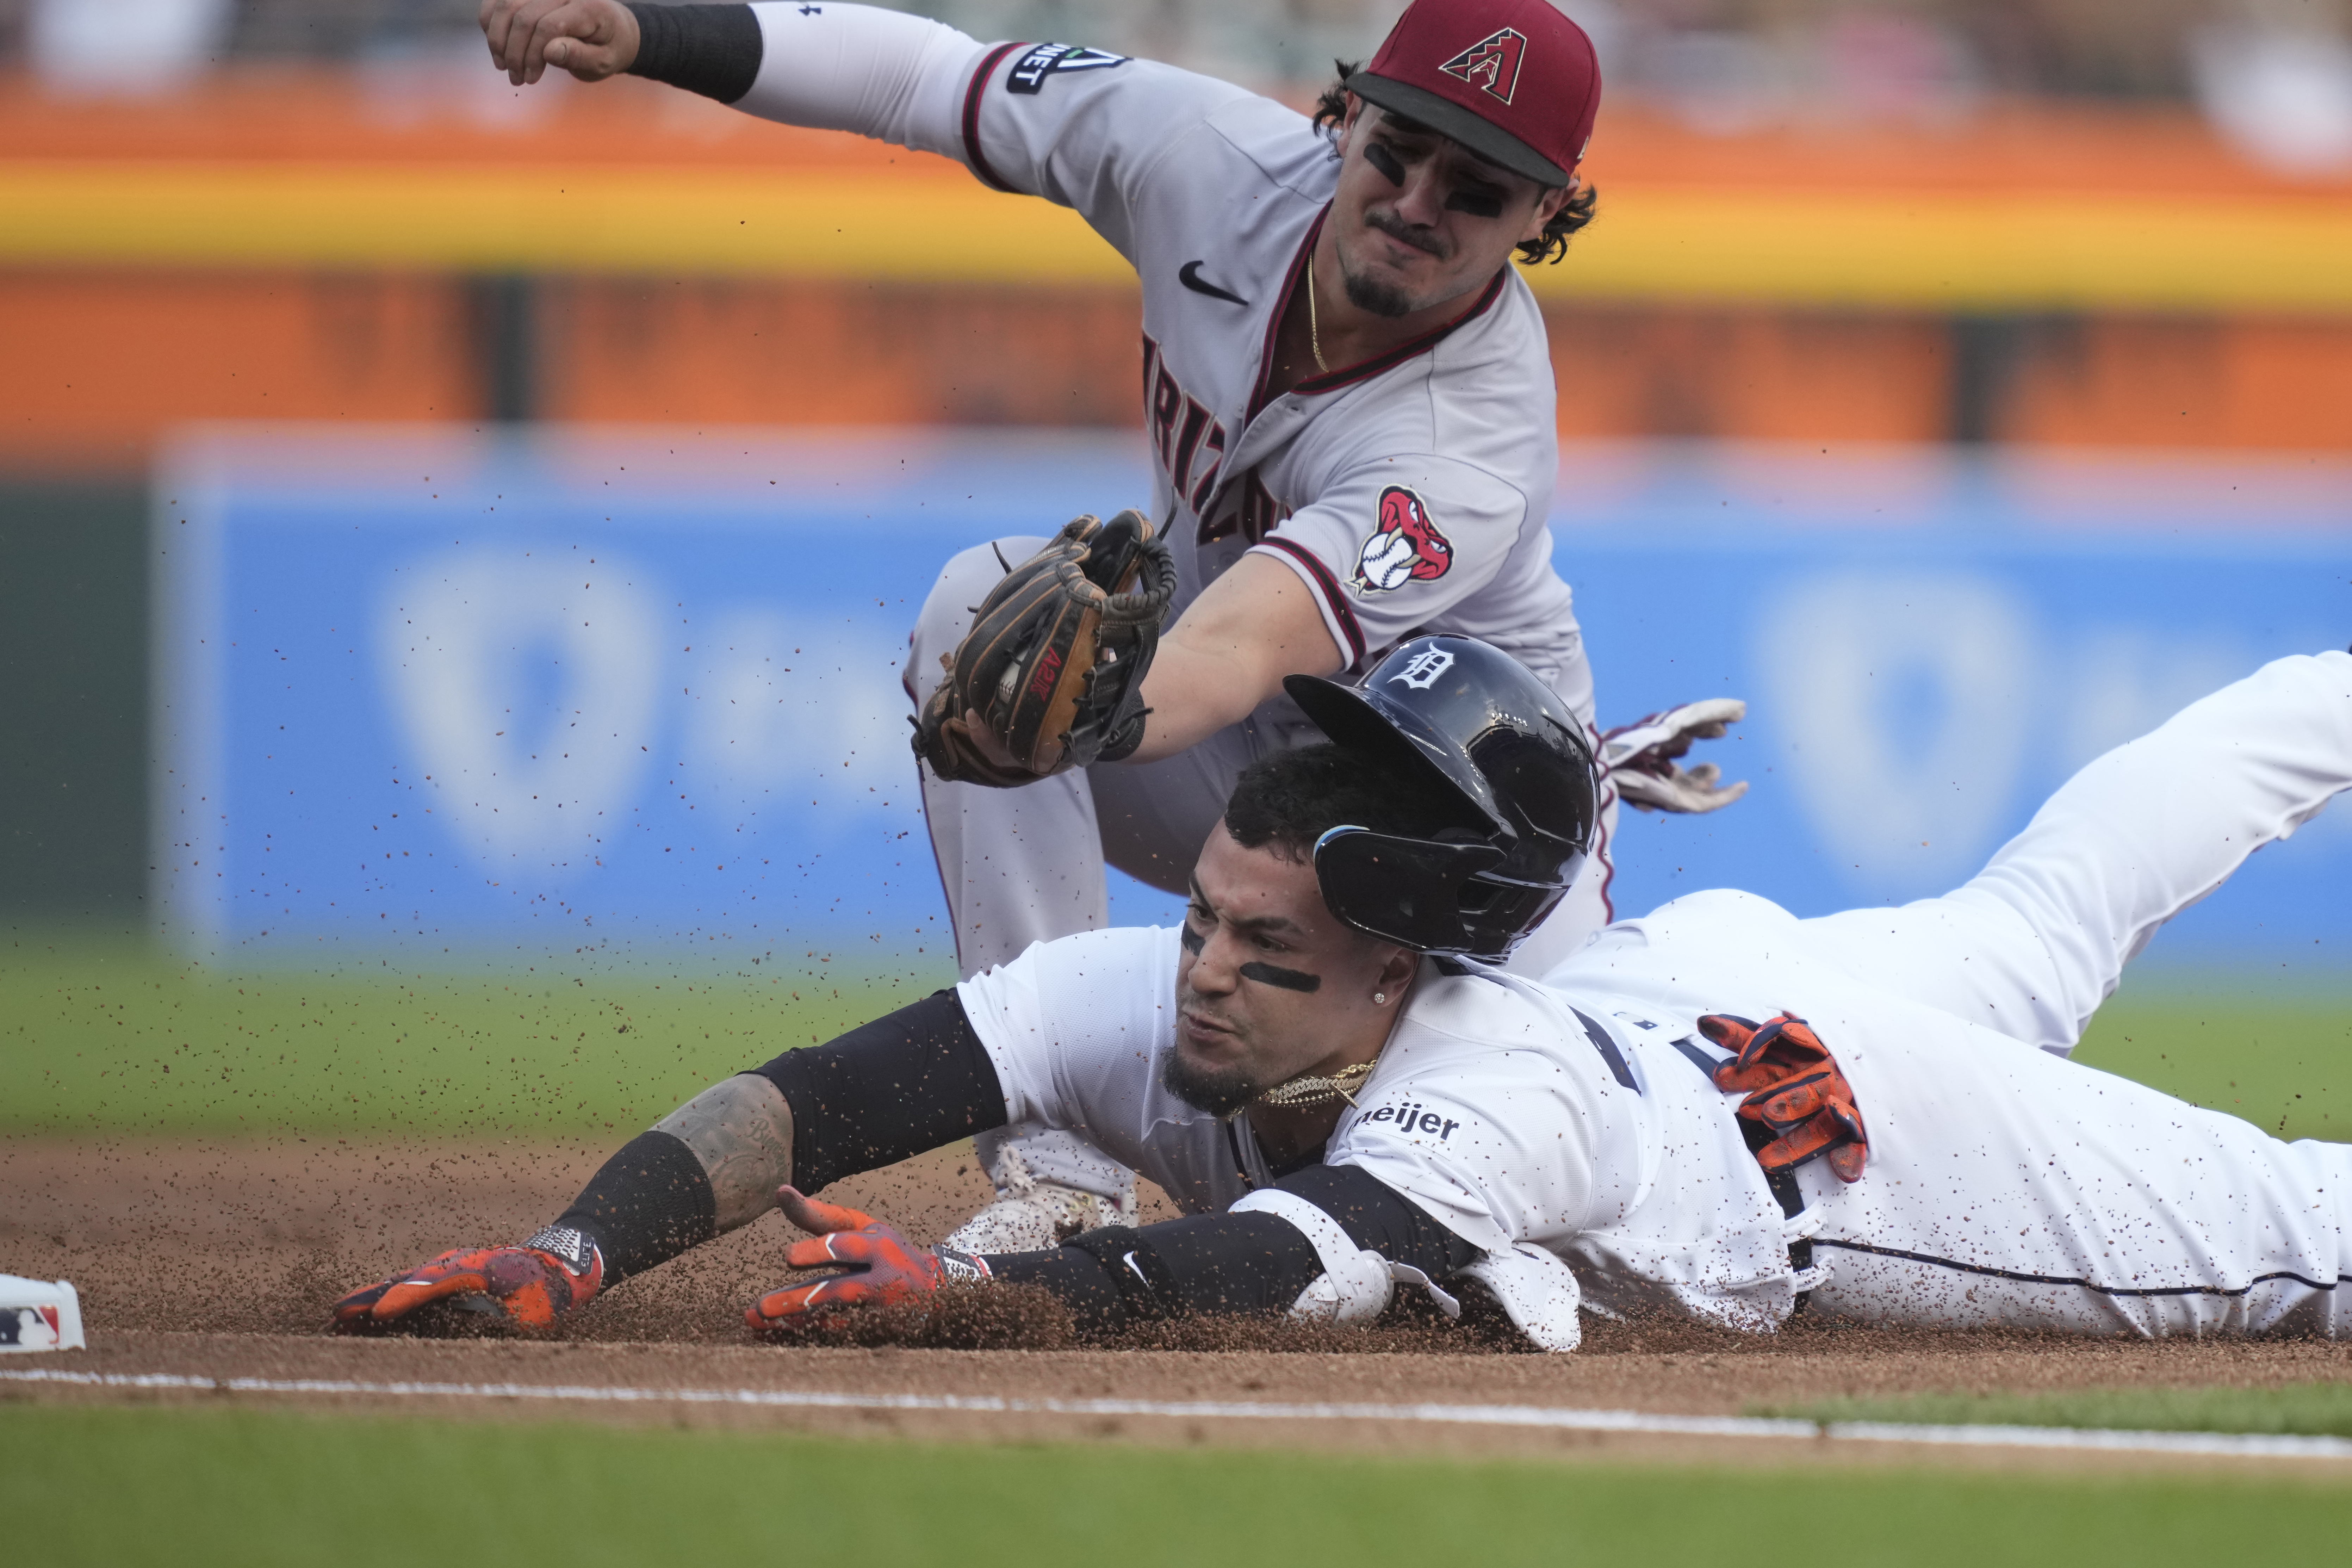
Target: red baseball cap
{"type": "Point", "coordinates": [1513, 81]}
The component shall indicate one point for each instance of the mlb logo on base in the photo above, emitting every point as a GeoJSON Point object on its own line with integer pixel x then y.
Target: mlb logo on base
{"type": "Point", "coordinates": [39, 1315]}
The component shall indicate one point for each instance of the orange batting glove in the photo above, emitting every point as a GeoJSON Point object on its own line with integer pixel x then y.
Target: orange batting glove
{"type": "Point", "coordinates": [529, 1286]}
{"type": "Point", "coordinates": [879, 1264]}
{"type": "Point", "coordinates": [1795, 1090]}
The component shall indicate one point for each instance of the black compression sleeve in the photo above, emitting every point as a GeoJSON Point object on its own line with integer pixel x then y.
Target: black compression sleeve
{"type": "Point", "coordinates": [1219, 1263]}
{"type": "Point", "coordinates": [887, 1090]}
{"type": "Point", "coordinates": [1078, 1277]}
{"type": "Point", "coordinates": [649, 1203]}
{"type": "Point", "coordinates": [714, 50]}
{"type": "Point", "coordinates": [1381, 1219]}
{"type": "Point", "coordinates": [1211, 1264]}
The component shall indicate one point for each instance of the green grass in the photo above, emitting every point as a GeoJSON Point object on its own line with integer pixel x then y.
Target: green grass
{"type": "Point", "coordinates": [2284, 1063]}
{"type": "Point", "coordinates": [2304, 1409]}
{"type": "Point", "coordinates": [190, 1487]}
{"type": "Point", "coordinates": [102, 1035]}
{"type": "Point", "coordinates": [113, 1036]}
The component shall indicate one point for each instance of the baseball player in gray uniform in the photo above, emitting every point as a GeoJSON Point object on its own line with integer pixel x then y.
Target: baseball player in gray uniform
{"type": "Point", "coordinates": [1718, 1110]}
{"type": "Point", "coordinates": [1348, 395]}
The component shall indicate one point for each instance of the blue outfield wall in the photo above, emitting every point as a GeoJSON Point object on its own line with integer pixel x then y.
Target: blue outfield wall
{"type": "Point", "coordinates": [640, 691]}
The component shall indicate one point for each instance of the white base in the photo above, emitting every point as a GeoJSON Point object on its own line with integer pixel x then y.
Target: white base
{"type": "Point", "coordinates": [39, 1315]}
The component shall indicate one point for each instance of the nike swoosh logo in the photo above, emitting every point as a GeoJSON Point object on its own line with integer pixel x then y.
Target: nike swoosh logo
{"type": "Point", "coordinates": [1136, 1268]}
{"type": "Point", "coordinates": [1189, 275]}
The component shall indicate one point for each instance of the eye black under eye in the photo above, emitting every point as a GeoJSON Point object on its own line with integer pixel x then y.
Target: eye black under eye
{"type": "Point", "coordinates": [1478, 203]}
{"type": "Point", "coordinates": [1380, 158]}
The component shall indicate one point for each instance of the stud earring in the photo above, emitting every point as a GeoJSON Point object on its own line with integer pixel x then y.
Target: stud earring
{"type": "Point", "coordinates": [1379, 998]}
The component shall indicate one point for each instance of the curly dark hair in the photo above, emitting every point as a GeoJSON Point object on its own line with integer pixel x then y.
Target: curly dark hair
{"type": "Point", "coordinates": [1331, 108]}
{"type": "Point", "coordinates": [1291, 798]}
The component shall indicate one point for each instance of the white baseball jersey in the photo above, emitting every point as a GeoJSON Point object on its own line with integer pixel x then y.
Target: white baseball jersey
{"type": "Point", "coordinates": [1411, 494]}
{"type": "Point", "coordinates": [1571, 1130]}
{"type": "Point", "coordinates": [1512, 1114]}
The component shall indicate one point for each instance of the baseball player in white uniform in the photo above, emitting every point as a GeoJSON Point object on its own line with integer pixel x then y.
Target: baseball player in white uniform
{"type": "Point", "coordinates": [1347, 388]}
{"type": "Point", "coordinates": [1340, 1106]}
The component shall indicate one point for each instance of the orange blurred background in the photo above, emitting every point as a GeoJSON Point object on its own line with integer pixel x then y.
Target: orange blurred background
{"type": "Point", "coordinates": [153, 273]}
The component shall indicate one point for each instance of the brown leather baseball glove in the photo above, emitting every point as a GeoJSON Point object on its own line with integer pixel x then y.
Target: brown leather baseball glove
{"type": "Point", "coordinates": [1051, 675]}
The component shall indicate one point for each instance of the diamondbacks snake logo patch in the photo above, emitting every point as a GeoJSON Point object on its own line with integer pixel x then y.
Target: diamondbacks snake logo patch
{"type": "Point", "coordinates": [1406, 547]}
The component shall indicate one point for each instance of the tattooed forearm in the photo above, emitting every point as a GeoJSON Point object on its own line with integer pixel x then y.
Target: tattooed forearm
{"type": "Point", "coordinates": [741, 1131]}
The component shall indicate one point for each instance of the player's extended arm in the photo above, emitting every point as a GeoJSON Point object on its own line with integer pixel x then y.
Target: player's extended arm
{"type": "Point", "coordinates": [884, 1091]}
{"type": "Point", "coordinates": [912, 1081]}
{"type": "Point", "coordinates": [1229, 652]}
{"type": "Point", "coordinates": [851, 68]}
{"type": "Point", "coordinates": [1331, 1242]}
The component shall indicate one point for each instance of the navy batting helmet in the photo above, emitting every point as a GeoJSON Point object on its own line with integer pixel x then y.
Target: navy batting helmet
{"type": "Point", "coordinates": [1463, 714]}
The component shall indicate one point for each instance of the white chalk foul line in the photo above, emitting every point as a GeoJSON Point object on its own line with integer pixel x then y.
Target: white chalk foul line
{"type": "Point", "coordinates": [2237, 1445]}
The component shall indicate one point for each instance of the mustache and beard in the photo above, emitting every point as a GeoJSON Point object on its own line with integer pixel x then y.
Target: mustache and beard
{"type": "Point", "coordinates": [1372, 294]}
{"type": "Point", "coordinates": [1220, 1091]}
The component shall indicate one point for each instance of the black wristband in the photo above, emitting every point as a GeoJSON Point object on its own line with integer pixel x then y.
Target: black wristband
{"type": "Point", "coordinates": [714, 50]}
{"type": "Point", "coordinates": [1210, 1264]}
{"type": "Point", "coordinates": [1146, 1291]}
{"type": "Point", "coordinates": [1077, 1279]}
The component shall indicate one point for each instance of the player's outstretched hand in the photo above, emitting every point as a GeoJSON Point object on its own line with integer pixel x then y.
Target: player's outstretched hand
{"type": "Point", "coordinates": [591, 39]}
{"type": "Point", "coordinates": [528, 1286]}
{"type": "Point", "coordinates": [1640, 758]}
{"type": "Point", "coordinates": [878, 1264]}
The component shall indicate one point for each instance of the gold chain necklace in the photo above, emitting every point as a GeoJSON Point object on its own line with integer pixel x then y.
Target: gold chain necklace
{"type": "Point", "coordinates": [1341, 1085]}
{"type": "Point", "coordinates": [1315, 345]}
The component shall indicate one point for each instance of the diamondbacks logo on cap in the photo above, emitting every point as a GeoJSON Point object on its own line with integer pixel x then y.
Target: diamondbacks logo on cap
{"type": "Point", "coordinates": [1491, 64]}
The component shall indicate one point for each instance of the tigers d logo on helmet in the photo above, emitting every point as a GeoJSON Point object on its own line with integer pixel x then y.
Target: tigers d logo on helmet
{"type": "Point", "coordinates": [1406, 547]}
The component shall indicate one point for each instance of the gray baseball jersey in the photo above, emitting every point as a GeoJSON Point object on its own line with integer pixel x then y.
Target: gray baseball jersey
{"type": "Point", "coordinates": [1411, 493]}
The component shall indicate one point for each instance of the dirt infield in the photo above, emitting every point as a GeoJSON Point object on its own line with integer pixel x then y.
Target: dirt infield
{"type": "Point", "coordinates": [220, 1259]}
